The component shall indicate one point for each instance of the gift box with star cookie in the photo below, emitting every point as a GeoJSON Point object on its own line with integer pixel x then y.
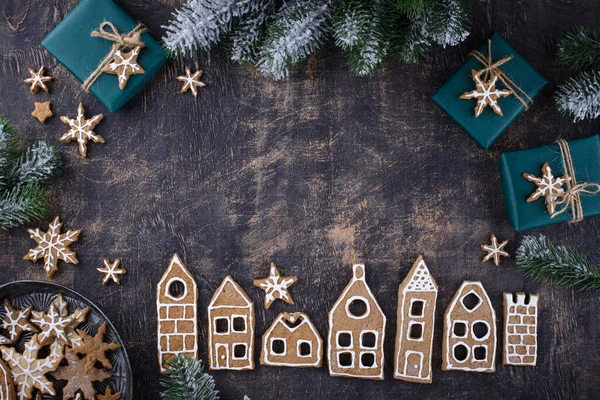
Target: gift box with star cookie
{"type": "Point", "coordinates": [551, 184]}
{"type": "Point", "coordinates": [490, 90]}
{"type": "Point", "coordinates": [107, 50]}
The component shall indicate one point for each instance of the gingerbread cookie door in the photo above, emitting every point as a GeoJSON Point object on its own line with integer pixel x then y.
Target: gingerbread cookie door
{"type": "Point", "coordinates": [292, 341]}
{"type": "Point", "coordinates": [520, 329]}
{"type": "Point", "coordinates": [176, 305]}
{"type": "Point", "coordinates": [231, 328]}
{"type": "Point", "coordinates": [356, 331]}
{"type": "Point", "coordinates": [416, 316]}
{"type": "Point", "coordinates": [470, 331]}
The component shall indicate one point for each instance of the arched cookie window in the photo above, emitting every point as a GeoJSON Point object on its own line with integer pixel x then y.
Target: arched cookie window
{"type": "Point", "coordinates": [176, 289]}
{"type": "Point", "coordinates": [357, 307]}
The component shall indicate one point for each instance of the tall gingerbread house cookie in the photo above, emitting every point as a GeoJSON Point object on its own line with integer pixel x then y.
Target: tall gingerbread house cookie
{"type": "Point", "coordinates": [176, 304]}
{"type": "Point", "coordinates": [416, 316]}
{"type": "Point", "coordinates": [356, 331]}
{"type": "Point", "coordinates": [470, 337]}
{"type": "Point", "coordinates": [520, 329]}
{"type": "Point", "coordinates": [231, 328]}
{"type": "Point", "coordinates": [292, 341]}
{"type": "Point", "coordinates": [7, 388]}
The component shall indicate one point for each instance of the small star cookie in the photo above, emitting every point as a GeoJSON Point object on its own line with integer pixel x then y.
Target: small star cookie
{"type": "Point", "coordinates": [93, 348]}
{"type": "Point", "coordinates": [77, 379]}
{"type": "Point", "coordinates": [191, 82]}
{"type": "Point", "coordinates": [109, 395]}
{"type": "Point", "coordinates": [124, 65]}
{"type": "Point", "coordinates": [82, 130]}
{"type": "Point", "coordinates": [53, 246]}
{"type": "Point", "coordinates": [112, 271]}
{"type": "Point", "coordinates": [16, 322]}
{"type": "Point", "coordinates": [37, 80]}
{"type": "Point", "coordinates": [42, 111]}
{"type": "Point", "coordinates": [548, 186]}
{"type": "Point", "coordinates": [276, 286]}
{"type": "Point", "coordinates": [495, 250]}
{"type": "Point", "coordinates": [486, 94]}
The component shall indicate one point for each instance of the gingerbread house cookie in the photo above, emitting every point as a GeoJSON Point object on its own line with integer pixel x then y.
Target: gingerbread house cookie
{"type": "Point", "coordinates": [520, 329]}
{"type": "Point", "coordinates": [356, 331]}
{"type": "Point", "coordinates": [416, 316]}
{"type": "Point", "coordinates": [292, 341]}
{"type": "Point", "coordinates": [176, 305]}
{"type": "Point", "coordinates": [469, 342]}
{"type": "Point", "coordinates": [231, 328]}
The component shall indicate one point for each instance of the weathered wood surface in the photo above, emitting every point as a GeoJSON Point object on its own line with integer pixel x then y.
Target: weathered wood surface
{"type": "Point", "coordinates": [316, 172]}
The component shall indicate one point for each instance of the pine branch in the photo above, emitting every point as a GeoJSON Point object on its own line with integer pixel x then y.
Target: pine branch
{"type": "Point", "coordinates": [37, 164]}
{"type": "Point", "coordinates": [579, 96]}
{"type": "Point", "coordinates": [447, 23]}
{"type": "Point", "coordinates": [412, 8]}
{"type": "Point", "coordinates": [298, 29]}
{"type": "Point", "coordinates": [186, 379]}
{"type": "Point", "coordinates": [201, 23]}
{"type": "Point", "coordinates": [242, 43]}
{"type": "Point", "coordinates": [579, 49]}
{"type": "Point", "coordinates": [561, 266]}
{"type": "Point", "coordinates": [415, 44]}
{"type": "Point", "coordinates": [22, 205]}
{"type": "Point", "coordinates": [358, 31]}
{"type": "Point", "coordinates": [9, 150]}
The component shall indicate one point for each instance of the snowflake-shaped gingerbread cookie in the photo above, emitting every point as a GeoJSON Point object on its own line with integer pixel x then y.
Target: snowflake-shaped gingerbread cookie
{"type": "Point", "coordinates": [15, 322]}
{"type": "Point", "coordinates": [548, 186]}
{"type": "Point", "coordinates": [53, 246]}
{"type": "Point", "coordinates": [78, 317]}
{"type": "Point", "coordinates": [77, 379]}
{"type": "Point", "coordinates": [28, 370]}
{"type": "Point", "coordinates": [82, 130]}
{"type": "Point", "coordinates": [124, 65]}
{"type": "Point", "coordinates": [53, 326]}
{"type": "Point", "coordinates": [276, 286]}
{"type": "Point", "coordinates": [37, 80]}
{"type": "Point", "coordinates": [191, 81]}
{"type": "Point", "coordinates": [486, 94]}
{"type": "Point", "coordinates": [495, 250]}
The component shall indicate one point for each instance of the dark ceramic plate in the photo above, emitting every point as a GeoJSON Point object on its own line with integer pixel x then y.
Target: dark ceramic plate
{"type": "Point", "coordinates": [39, 295]}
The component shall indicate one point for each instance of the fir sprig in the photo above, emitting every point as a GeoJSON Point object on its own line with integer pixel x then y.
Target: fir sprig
{"type": "Point", "coordinates": [559, 265]}
{"type": "Point", "coordinates": [186, 379]}
{"type": "Point", "coordinates": [579, 49]}
{"type": "Point", "coordinates": [579, 96]}
{"type": "Point", "coordinates": [22, 199]}
{"type": "Point", "coordinates": [412, 8]}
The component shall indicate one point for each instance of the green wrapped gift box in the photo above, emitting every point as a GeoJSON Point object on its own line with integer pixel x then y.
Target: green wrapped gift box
{"type": "Point", "coordinates": [486, 128]}
{"type": "Point", "coordinates": [585, 154]}
{"type": "Point", "coordinates": [71, 44]}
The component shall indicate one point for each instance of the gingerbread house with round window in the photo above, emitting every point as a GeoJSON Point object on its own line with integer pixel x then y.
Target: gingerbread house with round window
{"type": "Point", "coordinates": [356, 331]}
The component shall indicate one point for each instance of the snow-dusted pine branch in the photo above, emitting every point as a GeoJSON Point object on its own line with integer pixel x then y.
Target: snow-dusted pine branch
{"type": "Point", "coordinates": [447, 23]}
{"type": "Point", "coordinates": [22, 204]}
{"type": "Point", "coordinates": [579, 96]}
{"type": "Point", "coordinates": [244, 39]}
{"type": "Point", "coordinates": [299, 28]}
{"type": "Point", "coordinates": [186, 379]}
{"type": "Point", "coordinates": [38, 163]}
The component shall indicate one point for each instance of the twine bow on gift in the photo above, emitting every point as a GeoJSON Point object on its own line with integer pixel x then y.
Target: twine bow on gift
{"type": "Point", "coordinates": [492, 69]}
{"type": "Point", "coordinates": [571, 198]}
{"type": "Point", "coordinates": [130, 39]}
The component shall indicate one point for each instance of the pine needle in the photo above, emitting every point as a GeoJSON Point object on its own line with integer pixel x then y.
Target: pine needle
{"type": "Point", "coordinates": [561, 266]}
{"type": "Point", "coordinates": [186, 379]}
{"type": "Point", "coordinates": [579, 49]}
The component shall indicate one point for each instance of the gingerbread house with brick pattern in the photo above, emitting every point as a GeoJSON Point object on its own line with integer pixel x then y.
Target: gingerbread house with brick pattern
{"type": "Point", "coordinates": [176, 304]}
{"type": "Point", "coordinates": [520, 329]}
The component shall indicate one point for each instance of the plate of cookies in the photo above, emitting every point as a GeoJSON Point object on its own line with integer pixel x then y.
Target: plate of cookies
{"type": "Point", "coordinates": [56, 344]}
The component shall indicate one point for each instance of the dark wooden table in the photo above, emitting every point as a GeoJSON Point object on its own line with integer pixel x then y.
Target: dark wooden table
{"type": "Point", "coordinates": [313, 173]}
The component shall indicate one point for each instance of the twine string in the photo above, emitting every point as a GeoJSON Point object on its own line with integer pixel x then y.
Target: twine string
{"type": "Point", "coordinates": [130, 39]}
{"type": "Point", "coordinates": [571, 198]}
{"type": "Point", "coordinates": [492, 68]}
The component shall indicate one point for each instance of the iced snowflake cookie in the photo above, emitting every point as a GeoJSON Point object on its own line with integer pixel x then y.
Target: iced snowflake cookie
{"type": "Point", "coordinates": [112, 271]}
{"type": "Point", "coordinates": [486, 94]}
{"type": "Point", "coordinates": [548, 187]}
{"type": "Point", "coordinates": [37, 80]}
{"type": "Point", "coordinates": [191, 81]}
{"type": "Point", "coordinates": [124, 65]}
{"type": "Point", "coordinates": [53, 326]}
{"type": "Point", "coordinates": [77, 378]}
{"type": "Point", "coordinates": [494, 250]}
{"type": "Point", "coordinates": [82, 130]}
{"type": "Point", "coordinates": [53, 246]}
{"type": "Point", "coordinates": [15, 322]}
{"type": "Point", "coordinates": [276, 286]}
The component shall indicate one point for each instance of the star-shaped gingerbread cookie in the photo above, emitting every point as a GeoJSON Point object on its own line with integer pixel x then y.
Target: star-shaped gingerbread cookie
{"type": "Point", "coordinates": [112, 271]}
{"type": "Point", "coordinates": [548, 186]}
{"type": "Point", "coordinates": [276, 286]}
{"type": "Point", "coordinates": [77, 378]}
{"type": "Point", "coordinates": [486, 94]}
{"type": "Point", "coordinates": [82, 130]}
{"type": "Point", "coordinates": [53, 325]}
{"type": "Point", "coordinates": [37, 80]}
{"type": "Point", "coordinates": [495, 250]}
{"type": "Point", "coordinates": [42, 111]}
{"type": "Point", "coordinates": [191, 82]}
{"type": "Point", "coordinates": [94, 347]}
{"type": "Point", "coordinates": [109, 395]}
{"type": "Point", "coordinates": [16, 322]}
{"type": "Point", "coordinates": [124, 65]}
{"type": "Point", "coordinates": [53, 246]}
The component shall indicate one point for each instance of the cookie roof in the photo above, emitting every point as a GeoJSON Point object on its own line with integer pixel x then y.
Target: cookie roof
{"type": "Point", "coordinates": [419, 278]}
